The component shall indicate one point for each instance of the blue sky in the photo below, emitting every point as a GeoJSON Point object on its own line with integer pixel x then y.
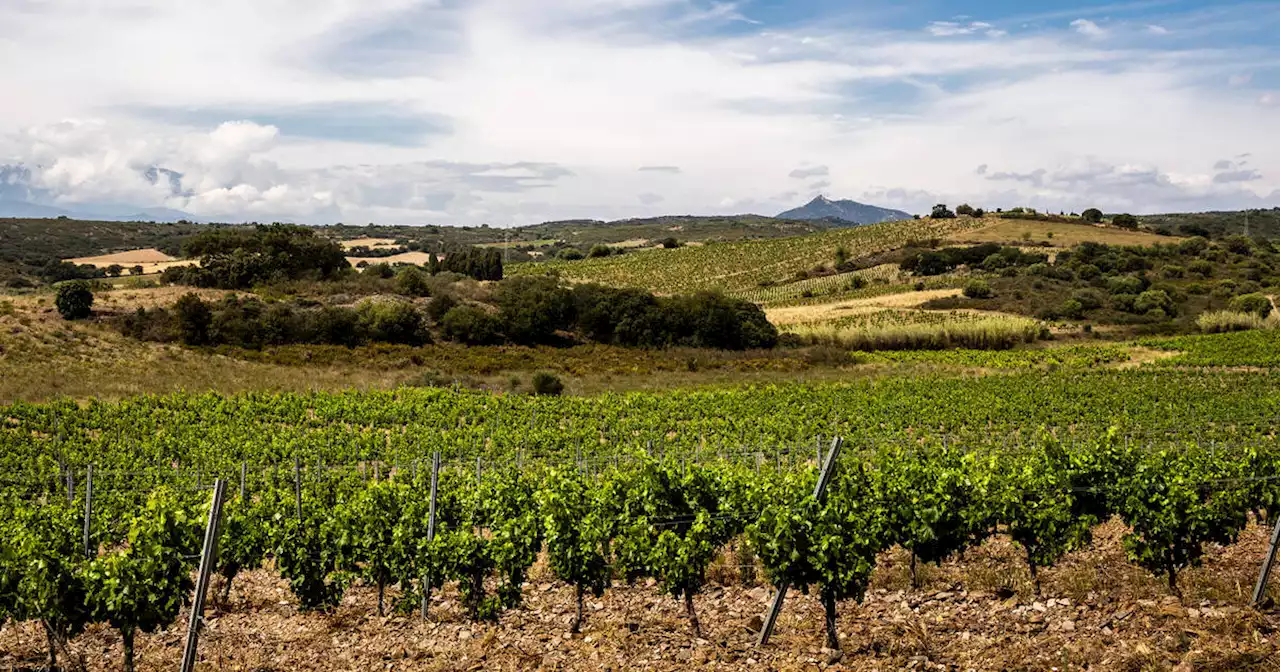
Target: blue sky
{"type": "Point", "coordinates": [513, 112]}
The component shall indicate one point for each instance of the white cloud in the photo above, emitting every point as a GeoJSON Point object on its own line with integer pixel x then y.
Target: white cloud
{"type": "Point", "coordinates": [1155, 29]}
{"type": "Point", "coordinates": [1088, 28]}
{"type": "Point", "coordinates": [588, 108]}
{"type": "Point", "coordinates": [953, 28]}
{"type": "Point", "coordinates": [1269, 99]}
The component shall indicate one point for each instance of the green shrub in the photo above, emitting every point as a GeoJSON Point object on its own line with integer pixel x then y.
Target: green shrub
{"type": "Point", "coordinates": [1254, 304]}
{"type": "Point", "coordinates": [598, 251]}
{"type": "Point", "coordinates": [1174, 271]}
{"type": "Point", "coordinates": [74, 300]}
{"type": "Point", "coordinates": [1071, 308]}
{"type": "Point", "coordinates": [440, 305]}
{"type": "Point", "coordinates": [389, 321]}
{"type": "Point", "coordinates": [977, 288]}
{"type": "Point", "coordinates": [470, 325]}
{"type": "Point", "coordinates": [1153, 299]}
{"type": "Point", "coordinates": [965, 209]}
{"type": "Point", "coordinates": [1125, 221]}
{"type": "Point", "coordinates": [571, 254]}
{"type": "Point", "coordinates": [194, 318]}
{"type": "Point", "coordinates": [1089, 299]}
{"type": "Point", "coordinates": [412, 281]}
{"type": "Point", "coordinates": [546, 384]}
{"type": "Point", "coordinates": [670, 243]}
{"type": "Point", "coordinates": [1092, 215]}
{"type": "Point", "coordinates": [1201, 267]}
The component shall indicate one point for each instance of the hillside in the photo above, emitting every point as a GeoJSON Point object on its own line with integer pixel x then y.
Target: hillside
{"type": "Point", "coordinates": [1261, 223]}
{"type": "Point", "coordinates": [743, 266]}
{"type": "Point", "coordinates": [846, 210]}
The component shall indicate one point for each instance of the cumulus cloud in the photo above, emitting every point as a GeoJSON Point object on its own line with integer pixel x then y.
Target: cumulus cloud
{"type": "Point", "coordinates": [570, 108]}
{"type": "Point", "coordinates": [1156, 29]}
{"type": "Point", "coordinates": [1088, 28]}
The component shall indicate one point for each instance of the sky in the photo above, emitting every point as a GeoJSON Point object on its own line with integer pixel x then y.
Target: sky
{"type": "Point", "coordinates": [511, 112]}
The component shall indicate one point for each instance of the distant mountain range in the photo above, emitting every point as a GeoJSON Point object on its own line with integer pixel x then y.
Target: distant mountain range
{"type": "Point", "coordinates": [98, 212]}
{"type": "Point", "coordinates": [849, 211]}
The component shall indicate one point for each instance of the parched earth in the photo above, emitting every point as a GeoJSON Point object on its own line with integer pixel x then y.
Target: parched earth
{"type": "Point", "coordinates": [1097, 612]}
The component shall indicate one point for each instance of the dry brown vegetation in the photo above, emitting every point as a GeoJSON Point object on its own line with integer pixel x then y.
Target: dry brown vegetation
{"type": "Point", "coordinates": [1098, 612]}
{"type": "Point", "coordinates": [1065, 235]}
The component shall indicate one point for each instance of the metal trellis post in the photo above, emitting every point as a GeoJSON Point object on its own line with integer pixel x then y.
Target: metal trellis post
{"type": "Point", "coordinates": [208, 556]}
{"type": "Point", "coordinates": [819, 490]}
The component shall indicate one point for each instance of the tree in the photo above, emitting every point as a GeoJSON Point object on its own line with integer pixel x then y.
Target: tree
{"type": "Point", "coordinates": [136, 270]}
{"type": "Point", "coordinates": [965, 209]}
{"type": "Point", "coordinates": [114, 270]}
{"type": "Point", "coordinates": [670, 243]}
{"type": "Point", "coordinates": [940, 211]}
{"type": "Point", "coordinates": [142, 584]}
{"type": "Point", "coordinates": [1125, 221]}
{"type": "Point", "coordinates": [598, 251]}
{"type": "Point", "coordinates": [547, 384]}
{"type": "Point", "coordinates": [194, 318]}
{"type": "Point", "coordinates": [1092, 215]}
{"type": "Point", "coordinates": [74, 300]}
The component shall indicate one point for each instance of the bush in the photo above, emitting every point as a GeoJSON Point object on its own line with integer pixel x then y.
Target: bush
{"type": "Point", "coordinates": [977, 288]}
{"type": "Point", "coordinates": [412, 281]}
{"type": "Point", "coordinates": [1174, 271]}
{"type": "Point", "coordinates": [1071, 308]}
{"type": "Point", "coordinates": [532, 309]}
{"type": "Point", "coordinates": [1092, 215]}
{"type": "Point", "coordinates": [1253, 304]}
{"type": "Point", "coordinates": [546, 384]}
{"type": "Point", "coordinates": [670, 243]}
{"type": "Point", "coordinates": [965, 209]}
{"type": "Point", "coordinates": [391, 321]}
{"type": "Point", "coordinates": [1201, 267]}
{"type": "Point", "coordinates": [74, 300]}
{"type": "Point", "coordinates": [1151, 300]}
{"type": "Point", "coordinates": [470, 325]}
{"type": "Point", "coordinates": [1238, 245]}
{"type": "Point", "coordinates": [194, 318]}
{"type": "Point", "coordinates": [571, 254]}
{"type": "Point", "coordinates": [940, 211]}
{"type": "Point", "coordinates": [1089, 299]}
{"type": "Point", "coordinates": [1125, 221]}
{"type": "Point", "coordinates": [598, 251]}
{"type": "Point", "coordinates": [440, 305]}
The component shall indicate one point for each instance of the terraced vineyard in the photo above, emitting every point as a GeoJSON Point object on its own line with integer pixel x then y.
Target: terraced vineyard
{"type": "Point", "coordinates": [746, 266]}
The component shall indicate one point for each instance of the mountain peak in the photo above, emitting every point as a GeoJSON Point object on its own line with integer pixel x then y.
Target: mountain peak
{"type": "Point", "coordinates": [822, 207]}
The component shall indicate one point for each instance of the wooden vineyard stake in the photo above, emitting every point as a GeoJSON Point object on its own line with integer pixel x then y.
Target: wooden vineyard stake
{"type": "Point", "coordinates": [88, 508]}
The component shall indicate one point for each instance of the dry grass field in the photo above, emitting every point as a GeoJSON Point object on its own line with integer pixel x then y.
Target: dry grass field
{"type": "Point", "coordinates": [1057, 234]}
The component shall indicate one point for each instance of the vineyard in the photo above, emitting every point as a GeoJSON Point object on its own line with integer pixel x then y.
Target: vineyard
{"type": "Point", "coordinates": [103, 504]}
{"type": "Point", "coordinates": [743, 267]}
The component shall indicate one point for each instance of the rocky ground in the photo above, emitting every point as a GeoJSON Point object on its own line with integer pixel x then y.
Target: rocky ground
{"type": "Point", "coordinates": [1097, 612]}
